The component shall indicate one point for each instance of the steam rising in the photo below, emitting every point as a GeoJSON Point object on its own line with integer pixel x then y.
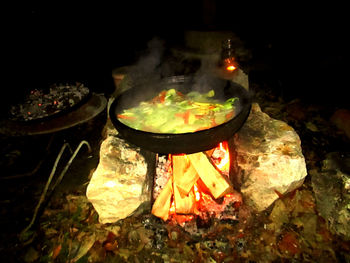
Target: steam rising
{"type": "Point", "coordinates": [155, 65]}
{"type": "Point", "coordinates": [146, 69]}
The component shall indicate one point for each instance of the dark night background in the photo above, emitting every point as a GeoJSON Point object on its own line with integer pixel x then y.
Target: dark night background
{"type": "Point", "coordinates": [297, 51]}
{"type": "Point", "coordinates": [301, 47]}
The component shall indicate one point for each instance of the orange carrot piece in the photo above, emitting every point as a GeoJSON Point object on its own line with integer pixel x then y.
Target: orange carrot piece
{"type": "Point", "coordinates": [162, 96]}
{"type": "Point", "coordinates": [185, 116]}
{"type": "Point", "coordinates": [229, 115]}
{"type": "Point", "coordinates": [126, 117]}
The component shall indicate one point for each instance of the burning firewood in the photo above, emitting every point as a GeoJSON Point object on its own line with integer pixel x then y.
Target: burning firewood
{"type": "Point", "coordinates": [184, 173]}
{"type": "Point", "coordinates": [212, 178]}
{"type": "Point", "coordinates": [161, 205]}
{"type": "Point", "coordinates": [179, 195]}
{"type": "Point", "coordinates": [184, 204]}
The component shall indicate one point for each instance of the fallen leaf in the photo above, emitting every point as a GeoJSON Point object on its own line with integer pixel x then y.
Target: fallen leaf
{"type": "Point", "coordinates": [97, 253]}
{"type": "Point", "coordinates": [125, 253]}
{"type": "Point", "coordinates": [110, 237]}
{"type": "Point", "coordinates": [50, 232]}
{"type": "Point", "coordinates": [279, 215]}
{"type": "Point", "coordinates": [114, 229]}
{"type": "Point", "coordinates": [289, 244]}
{"type": "Point", "coordinates": [303, 203]}
{"type": "Point", "coordinates": [325, 234]}
{"type": "Point", "coordinates": [31, 255]}
{"type": "Point", "coordinates": [111, 246]}
{"type": "Point", "coordinates": [56, 251]}
{"type": "Point", "coordinates": [311, 126]}
{"type": "Point", "coordinates": [88, 241]}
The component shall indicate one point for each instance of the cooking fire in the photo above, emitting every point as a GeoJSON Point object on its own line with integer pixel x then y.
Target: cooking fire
{"type": "Point", "coordinates": [186, 122]}
{"type": "Point", "coordinates": [190, 185]}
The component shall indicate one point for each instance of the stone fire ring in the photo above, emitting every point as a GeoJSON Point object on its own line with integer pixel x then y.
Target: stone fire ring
{"type": "Point", "coordinates": [94, 106]}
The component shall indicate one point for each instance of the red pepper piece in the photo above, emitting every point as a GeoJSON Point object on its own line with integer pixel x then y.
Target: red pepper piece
{"type": "Point", "coordinates": [185, 116]}
{"type": "Point", "coordinates": [229, 115]}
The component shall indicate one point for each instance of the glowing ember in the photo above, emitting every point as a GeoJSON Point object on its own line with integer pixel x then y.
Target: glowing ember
{"type": "Point", "coordinates": [196, 193]}
{"type": "Point", "coordinates": [172, 208]}
{"type": "Point", "coordinates": [48, 102]}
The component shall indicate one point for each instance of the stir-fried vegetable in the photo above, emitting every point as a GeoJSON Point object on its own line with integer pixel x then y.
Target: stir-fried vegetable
{"type": "Point", "coordinates": [173, 112]}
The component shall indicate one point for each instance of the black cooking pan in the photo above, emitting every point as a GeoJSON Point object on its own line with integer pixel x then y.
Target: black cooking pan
{"type": "Point", "coordinates": [184, 142]}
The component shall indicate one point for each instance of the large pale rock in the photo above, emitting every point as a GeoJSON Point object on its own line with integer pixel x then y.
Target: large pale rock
{"type": "Point", "coordinates": [118, 185]}
{"type": "Point", "coordinates": [270, 159]}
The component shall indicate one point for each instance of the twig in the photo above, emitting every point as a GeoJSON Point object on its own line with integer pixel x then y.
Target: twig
{"type": "Point", "coordinates": [45, 190]}
{"type": "Point", "coordinates": [70, 162]}
{"type": "Point", "coordinates": [42, 197]}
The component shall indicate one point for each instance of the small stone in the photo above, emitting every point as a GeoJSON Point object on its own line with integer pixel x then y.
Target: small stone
{"type": "Point", "coordinates": [174, 235]}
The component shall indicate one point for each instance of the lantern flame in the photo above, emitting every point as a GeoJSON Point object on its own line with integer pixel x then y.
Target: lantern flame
{"type": "Point", "coordinates": [230, 64]}
{"type": "Point", "coordinates": [230, 68]}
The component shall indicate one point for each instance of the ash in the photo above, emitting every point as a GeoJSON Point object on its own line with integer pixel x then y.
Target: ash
{"type": "Point", "coordinates": [208, 212]}
{"type": "Point", "coordinates": [163, 174]}
{"type": "Point", "coordinates": [39, 104]}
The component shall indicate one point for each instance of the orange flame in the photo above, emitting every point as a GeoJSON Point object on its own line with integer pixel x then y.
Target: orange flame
{"type": "Point", "coordinates": [224, 164]}
{"type": "Point", "coordinates": [172, 208]}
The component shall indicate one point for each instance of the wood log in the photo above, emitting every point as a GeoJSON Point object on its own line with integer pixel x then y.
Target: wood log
{"type": "Point", "coordinates": [212, 178]}
{"type": "Point", "coordinates": [184, 204]}
{"type": "Point", "coordinates": [161, 205]}
{"type": "Point", "coordinates": [184, 174]}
